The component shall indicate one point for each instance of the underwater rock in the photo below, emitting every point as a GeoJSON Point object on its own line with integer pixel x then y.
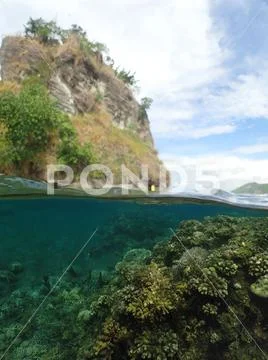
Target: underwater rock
{"type": "Point", "coordinates": [7, 276]}
{"type": "Point", "coordinates": [133, 260]}
{"type": "Point", "coordinates": [16, 267]}
{"type": "Point", "coordinates": [195, 255]}
{"type": "Point", "coordinates": [260, 287]}
{"type": "Point", "coordinates": [100, 282]}
{"type": "Point", "coordinates": [74, 272]}
{"type": "Point", "coordinates": [139, 256]}
{"type": "Point", "coordinates": [84, 315]}
{"type": "Point", "coordinates": [98, 277]}
{"type": "Point", "coordinates": [46, 285]}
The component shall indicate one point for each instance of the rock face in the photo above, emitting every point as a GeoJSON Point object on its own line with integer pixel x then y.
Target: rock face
{"type": "Point", "coordinates": [79, 82]}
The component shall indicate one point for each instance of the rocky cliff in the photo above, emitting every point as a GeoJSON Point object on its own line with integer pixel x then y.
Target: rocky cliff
{"type": "Point", "coordinates": [102, 107]}
{"type": "Point", "coordinates": [76, 80]}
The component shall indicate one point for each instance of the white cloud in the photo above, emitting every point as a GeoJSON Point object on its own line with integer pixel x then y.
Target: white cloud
{"type": "Point", "coordinates": [212, 130]}
{"type": "Point", "coordinates": [245, 97]}
{"type": "Point", "coordinates": [218, 171]}
{"type": "Point", "coordinates": [172, 114]}
{"type": "Point", "coordinates": [252, 149]}
{"type": "Point", "coordinates": [176, 130]}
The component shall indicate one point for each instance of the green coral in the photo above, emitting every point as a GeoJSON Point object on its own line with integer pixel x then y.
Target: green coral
{"type": "Point", "coordinates": [113, 334]}
{"type": "Point", "coordinates": [162, 343]}
{"type": "Point", "coordinates": [223, 263]}
{"type": "Point", "coordinates": [210, 309]}
{"type": "Point", "coordinates": [258, 264]}
{"type": "Point", "coordinates": [260, 287]}
{"type": "Point", "coordinates": [132, 262]}
{"type": "Point", "coordinates": [210, 283]}
{"type": "Point", "coordinates": [184, 293]}
{"type": "Point", "coordinates": [150, 296]}
{"type": "Point", "coordinates": [174, 302]}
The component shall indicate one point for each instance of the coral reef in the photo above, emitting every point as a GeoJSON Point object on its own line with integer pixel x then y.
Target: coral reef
{"type": "Point", "coordinates": [260, 287]}
{"type": "Point", "coordinates": [192, 297]}
{"type": "Point", "coordinates": [201, 293]}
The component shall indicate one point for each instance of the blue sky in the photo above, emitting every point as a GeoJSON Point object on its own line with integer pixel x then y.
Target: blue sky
{"type": "Point", "coordinates": [204, 62]}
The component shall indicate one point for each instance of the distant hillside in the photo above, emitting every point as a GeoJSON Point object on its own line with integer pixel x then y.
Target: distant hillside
{"type": "Point", "coordinates": [252, 188]}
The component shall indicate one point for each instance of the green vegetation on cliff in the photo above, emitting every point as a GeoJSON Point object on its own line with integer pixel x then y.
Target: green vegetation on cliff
{"type": "Point", "coordinates": [32, 123]}
{"type": "Point", "coordinates": [30, 118]}
{"type": "Point", "coordinates": [76, 109]}
{"type": "Point", "coordinates": [51, 33]}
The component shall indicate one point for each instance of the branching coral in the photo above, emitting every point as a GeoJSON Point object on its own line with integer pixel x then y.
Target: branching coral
{"type": "Point", "coordinates": [210, 283]}
{"type": "Point", "coordinates": [150, 296]}
{"type": "Point", "coordinates": [162, 344]}
{"type": "Point", "coordinates": [222, 263]}
{"type": "Point", "coordinates": [108, 343]}
{"type": "Point", "coordinates": [258, 264]}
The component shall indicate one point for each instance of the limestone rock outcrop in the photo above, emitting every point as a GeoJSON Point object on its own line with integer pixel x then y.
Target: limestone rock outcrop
{"type": "Point", "coordinates": [77, 81]}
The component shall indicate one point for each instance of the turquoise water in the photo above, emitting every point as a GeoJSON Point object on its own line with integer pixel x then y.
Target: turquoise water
{"type": "Point", "coordinates": [45, 234]}
{"type": "Point", "coordinates": [42, 236]}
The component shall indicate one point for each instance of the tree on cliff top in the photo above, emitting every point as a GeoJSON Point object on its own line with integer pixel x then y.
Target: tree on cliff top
{"type": "Point", "coordinates": [50, 33]}
{"type": "Point", "coordinates": [46, 32]}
